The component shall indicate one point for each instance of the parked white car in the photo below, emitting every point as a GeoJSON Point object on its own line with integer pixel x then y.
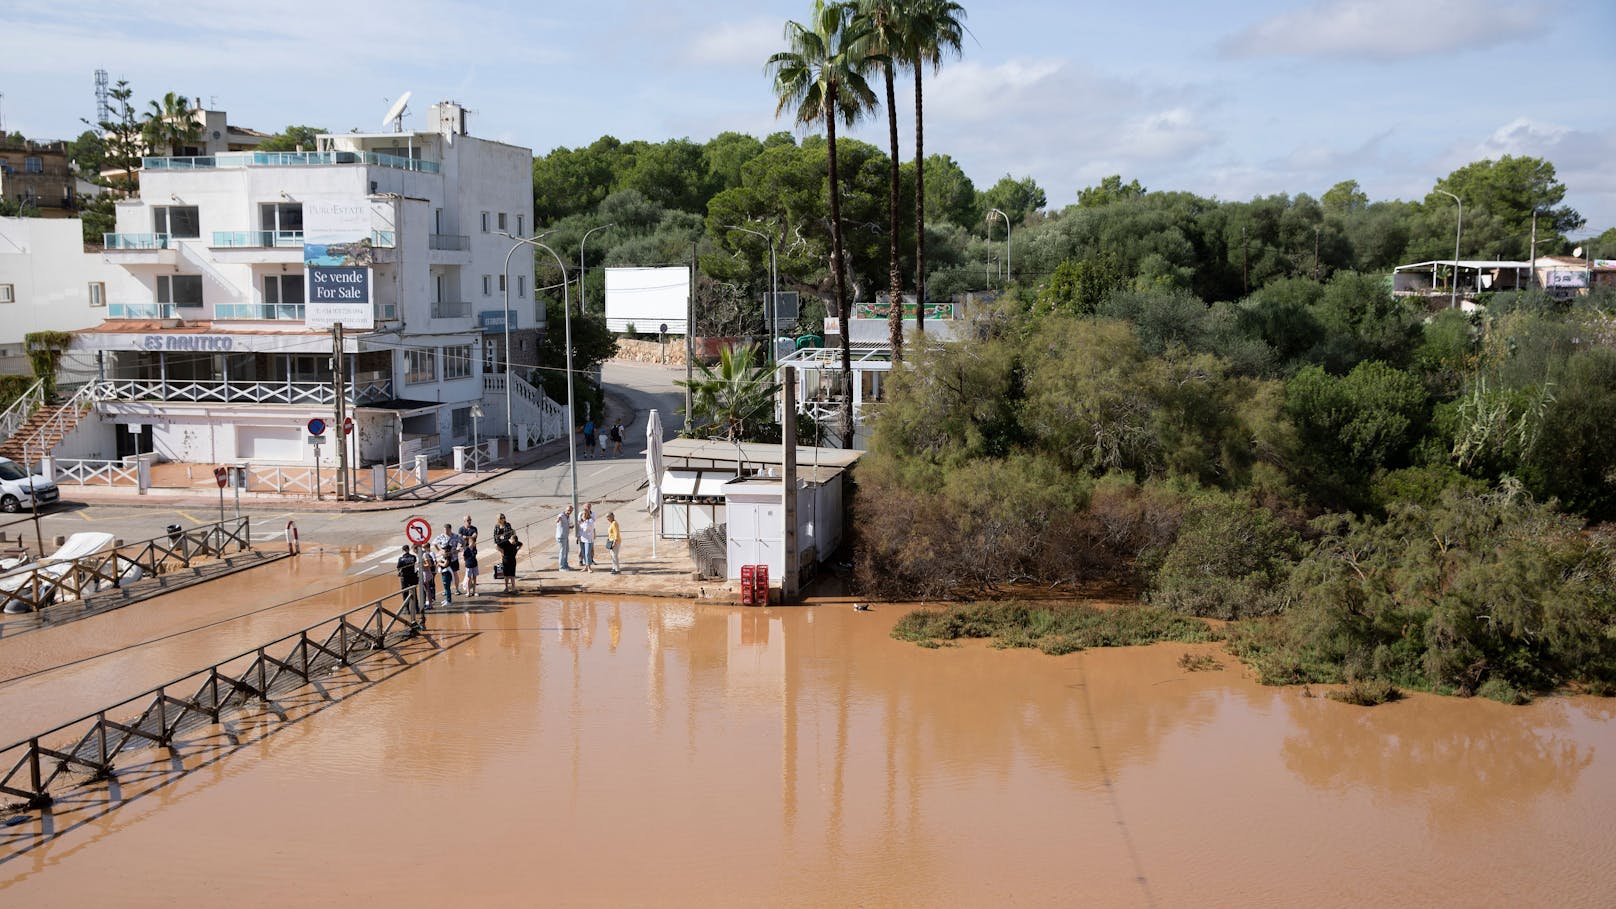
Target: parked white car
{"type": "Point", "coordinates": [19, 490]}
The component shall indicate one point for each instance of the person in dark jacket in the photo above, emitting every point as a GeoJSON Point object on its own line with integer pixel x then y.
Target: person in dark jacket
{"type": "Point", "coordinates": [508, 545]}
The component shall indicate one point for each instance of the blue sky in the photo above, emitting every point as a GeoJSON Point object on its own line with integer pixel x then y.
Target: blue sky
{"type": "Point", "coordinates": [1224, 99]}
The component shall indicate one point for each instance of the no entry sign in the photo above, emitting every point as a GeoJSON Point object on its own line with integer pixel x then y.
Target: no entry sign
{"type": "Point", "coordinates": [417, 531]}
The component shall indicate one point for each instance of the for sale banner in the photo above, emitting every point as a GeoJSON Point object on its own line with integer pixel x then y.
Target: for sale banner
{"type": "Point", "coordinates": [338, 253]}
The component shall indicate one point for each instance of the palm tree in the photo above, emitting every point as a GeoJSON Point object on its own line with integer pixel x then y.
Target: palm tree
{"type": "Point", "coordinates": [170, 125]}
{"type": "Point", "coordinates": [890, 30]}
{"type": "Point", "coordinates": [737, 396]}
{"type": "Point", "coordinates": [937, 31]}
{"type": "Point", "coordinates": [820, 77]}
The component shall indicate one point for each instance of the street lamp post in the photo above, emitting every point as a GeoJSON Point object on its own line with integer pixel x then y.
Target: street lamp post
{"type": "Point", "coordinates": [572, 407]}
{"type": "Point", "coordinates": [772, 318]}
{"type": "Point", "coordinates": [995, 211]}
{"type": "Point", "coordinates": [581, 267]}
{"type": "Point", "coordinates": [510, 426]}
{"type": "Point", "coordinates": [1458, 231]}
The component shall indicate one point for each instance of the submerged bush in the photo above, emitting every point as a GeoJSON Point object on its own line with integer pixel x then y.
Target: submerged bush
{"type": "Point", "coordinates": [1230, 560]}
{"type": "Point", "coordinates": [1052, 629]}
{"type": "Point", "coordinates": [1366, 692]}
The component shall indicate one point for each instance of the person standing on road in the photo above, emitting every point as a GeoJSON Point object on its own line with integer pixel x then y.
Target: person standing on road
{"type": "Point", "coordinates": [508, 545]}
{"type": "Point", "coordinates": [468, 550]}
{"type": "Point", "coordinates": [429, 577]}
{"type": "Point", "coordinates": [564, 536]}
{"type": "Point", "coordinates": [586, 539]}
{"type": "Point", "coordinates": [617, 439]}
{"type": "Point", "coordinates": [614, 542]}
{"type": "Point", "coordinates": [589, 437]}
{"type": "Point", "coordinates": [408, 579]}
{"type": "Point", "coordinates": [448, 545]}
{"type": "Point", "coordinates": [600, 438]}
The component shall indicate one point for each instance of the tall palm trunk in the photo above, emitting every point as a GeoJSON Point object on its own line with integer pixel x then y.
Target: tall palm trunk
{"type": "Point", "coordinates": [838, 268]}
{"type": "Point", "coordinates": [920, 204]}
{"type": "Point", "coordinates": [895, 304]}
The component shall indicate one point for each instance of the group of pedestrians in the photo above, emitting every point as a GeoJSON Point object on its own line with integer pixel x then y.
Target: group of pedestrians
{"type": "Point", "coordinates": [452, 560]}
{"type": "Point", "coordinates": [586, 534]}
{"type": "Point", "coordinates": [597, 438]}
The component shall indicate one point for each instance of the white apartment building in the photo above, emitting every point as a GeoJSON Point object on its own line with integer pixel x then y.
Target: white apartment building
{"type": "Point", "coordinates": [204, 355]}
{"type": "Point", "coordinates": [49, 283]}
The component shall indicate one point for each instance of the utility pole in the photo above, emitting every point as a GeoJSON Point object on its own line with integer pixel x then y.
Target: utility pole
{"type": "Point", "coordinates": [690, 339]}
{"type": "Point", "coordinates": [1245, 275]}
{"type": "Point", "coordinates": [1534, 248]}
{"type": "Point", "coordinates": [339, 381]}
{"type": "Point", "coordinates": [789, 570]}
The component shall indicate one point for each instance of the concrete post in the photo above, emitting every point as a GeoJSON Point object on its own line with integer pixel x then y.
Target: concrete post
{"type": "Point", "coordinates": [378, 480]}
{"type": "Point", "coordinates": [420, 469]}
{"type": "Point", "coordinates": [47, 467]}
{"type": "Point", "coordinates": [143, 473]}
{"type": "Point", "coordinates": [521, 437]}
{"type": "Point", "coordinates": [460, 458]}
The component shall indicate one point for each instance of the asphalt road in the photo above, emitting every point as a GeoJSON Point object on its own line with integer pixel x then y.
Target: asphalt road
{"type": "Point", "coordinates": [530, 495]}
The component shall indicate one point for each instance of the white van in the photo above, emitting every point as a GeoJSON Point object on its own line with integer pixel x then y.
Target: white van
{"type": "Point", "coordinates": [18, 490]}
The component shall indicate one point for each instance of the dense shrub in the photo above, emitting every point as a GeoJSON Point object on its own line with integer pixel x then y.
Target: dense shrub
{"type": "Point", "coordinates": [1052, 629]}
{"type": "Point", "coordinates": [1230, 560]}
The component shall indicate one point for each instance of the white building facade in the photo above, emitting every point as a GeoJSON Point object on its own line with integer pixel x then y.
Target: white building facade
{"type": "Point", "coordinates": [49, 283]}
{"type": "Point", "coordinates": [205, 357]}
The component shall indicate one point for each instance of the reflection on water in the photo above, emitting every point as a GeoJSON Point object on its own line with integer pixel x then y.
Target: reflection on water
{"type": "Point", "coordinates": [590, 751]}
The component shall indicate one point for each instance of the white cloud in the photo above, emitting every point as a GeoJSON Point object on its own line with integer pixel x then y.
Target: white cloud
{"type": "Point", "coordinates": [1388, 29]}
{"type": "Point", "coordinates": [1581, 160]}
{"type": "Point", "coordinates": [734, 44]}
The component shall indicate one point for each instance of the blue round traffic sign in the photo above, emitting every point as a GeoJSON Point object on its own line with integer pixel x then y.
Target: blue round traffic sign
{"type": "Point", "coordinates": [316, 427]}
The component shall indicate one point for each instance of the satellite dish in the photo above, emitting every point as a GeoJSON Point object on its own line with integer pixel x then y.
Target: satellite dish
{"type": "Point", "coordinates": [1577, 252]}
{"type": "Point", "coordinates": [395, 114]}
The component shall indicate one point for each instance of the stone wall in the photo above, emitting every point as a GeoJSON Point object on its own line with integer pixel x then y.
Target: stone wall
{"type": "Point", "coordinates": [651, 351]}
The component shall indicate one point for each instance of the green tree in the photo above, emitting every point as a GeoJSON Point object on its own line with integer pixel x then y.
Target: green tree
{"type": "Point", "coordinates": [88, 153]}
{"type": "Point", "coordinates": [170, 125]}
{"type": "Point", "coordinates": [290, 138]}
{"type": "Point", "coordinates": [1345, 198]}
{"type": "Point", "coordinates": [1349, 427]}
{"type": "Point", "coordinates": [736, 396]}
{"type": "Point", "coordinates": [1500, 200]}
{"type": "Point", "coordinates": [122, 135]}
{"type": "Point", "coordinates": [1110, 190]}
{"type": "Point", "coordinates": [951, 196]}
{"type": "Point", "coordinates": [820, 78]}
{"type": "Point", "coordinates": [937, 31]}
{"type": "Point", "coordinates": [1016, 198]}
{"type": "Point", "coordinates": [1079, 286]}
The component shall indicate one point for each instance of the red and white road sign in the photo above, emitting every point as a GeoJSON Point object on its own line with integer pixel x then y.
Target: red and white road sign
{"type": "Point", "coordinates": [221, 475]}
{"type": "Point", "coordinates": [347, 426]}
{"type": "Point", "coordinates": [417, 531]}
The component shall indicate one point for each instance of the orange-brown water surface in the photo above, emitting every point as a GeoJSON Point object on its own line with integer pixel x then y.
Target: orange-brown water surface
{"type": "Point", "coordinates": [579, 752]}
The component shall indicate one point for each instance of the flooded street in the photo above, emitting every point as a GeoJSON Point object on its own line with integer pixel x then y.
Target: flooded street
{"type": "Point", "coordinates": [592, 752]}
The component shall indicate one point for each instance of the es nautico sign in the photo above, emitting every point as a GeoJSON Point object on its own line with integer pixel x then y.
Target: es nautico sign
{"type": "Point", "coordinates": [215, 343]}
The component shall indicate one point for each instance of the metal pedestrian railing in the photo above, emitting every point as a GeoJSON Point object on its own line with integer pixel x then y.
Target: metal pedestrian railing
{"type": "Point", "coordinates": [38, 585]}
{"type": "Point", "coordinates": [21, 409]}
{"type": "Point", "coordinates": [92, 743]}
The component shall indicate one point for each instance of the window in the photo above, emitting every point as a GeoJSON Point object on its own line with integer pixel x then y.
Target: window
{"type": "Point", "coordinates": [485, 222]}
{"type": "Point", "coordinates": [283, 219]}
{"type": "Point", "coordinates": [460, 422]}
{"type": "Point", "coordinates": [420, 366]}
{"type": "Point", "coordinates": [502, 225]}
{"type": "Point", "coordinates": [180, 290]}
{"type": "Point", "coordinates": [521, 285]}
{"type": "Point", "coordinates": [457, 362]}
{"type": "Point", "coordinates": [283, 296]}
{"type": "Point", "coordinates": [519, 230]}
{"type": "Point", "coordinates": [181, 221]}
{"type": "Point", "coordinates": [98, 293]}
{"type": "Point", "coordinates": [33, 165]}
{"type": "Point", "coordinates": [488, 283]}
{"type": "Point", "coordinates": [8, 293]}
{"type": "Point", "coordinates": [501, 283]}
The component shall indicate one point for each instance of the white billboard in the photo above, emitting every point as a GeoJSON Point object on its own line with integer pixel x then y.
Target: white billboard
{"type": "Point", "coordinates": [648, 298]}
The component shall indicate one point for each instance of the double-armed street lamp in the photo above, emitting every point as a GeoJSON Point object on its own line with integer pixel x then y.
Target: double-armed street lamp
{"type": "Point", "coordinates": [771, 319]}
{"type": "Point", "coordinates": [1458, 231]}
{"type": "Point", "coordinates": [566, 315]}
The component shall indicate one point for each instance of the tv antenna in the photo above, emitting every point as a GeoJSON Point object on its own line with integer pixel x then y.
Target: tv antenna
{"type": "Point", "coordinates": [395, 114]}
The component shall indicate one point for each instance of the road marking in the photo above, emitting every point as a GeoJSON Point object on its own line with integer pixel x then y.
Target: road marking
{"type": "Point", "coordinates": [192, 518]}
{"type": "Point", "coordinates": [86, 517]}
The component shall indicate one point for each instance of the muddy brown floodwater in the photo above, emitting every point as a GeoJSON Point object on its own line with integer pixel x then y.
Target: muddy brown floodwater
{"type": "Point", "coordinates": [590, 752]}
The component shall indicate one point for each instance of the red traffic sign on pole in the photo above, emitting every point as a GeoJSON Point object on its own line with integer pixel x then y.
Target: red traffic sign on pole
{"type": "Point", "coordinates": [347, 426]}
{"type": "Point", "coordinates": [221, 475]}
{"type": "Point", "coordinates": [417, 531]}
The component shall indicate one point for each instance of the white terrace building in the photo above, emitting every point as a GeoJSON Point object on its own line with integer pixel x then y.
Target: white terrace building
{"type": "Point", "coordinates": [206, 357]}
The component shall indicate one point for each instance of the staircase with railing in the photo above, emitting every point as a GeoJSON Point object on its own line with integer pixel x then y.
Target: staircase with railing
{"type": "Point", "coordinates": [544, 418]}
{"type": "Point", "coordinates": [17, 415]}
{"type": "Point", "coordinates": [47, 426]}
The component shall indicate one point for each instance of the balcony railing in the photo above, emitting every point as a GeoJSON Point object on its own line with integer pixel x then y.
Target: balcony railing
{"type": "Point", "coordinates": [454, 242]}
{"type": "Point", "coordinates": [450, 310]}
{"type": "Point", "coordinates": [142, 311]}
{"type": "Point", "coordinates": [383, 239]}
{"type": "Point", "coordinates": [257, 238]}
{"type": "Point", "coordinates": [217, 391]}
{"type": "Point", "coordinates": [262, 312]}
{"type": "Point", "coordinates": [136, 241]}
{"type": "Point", "coordinates": [288, 159]}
